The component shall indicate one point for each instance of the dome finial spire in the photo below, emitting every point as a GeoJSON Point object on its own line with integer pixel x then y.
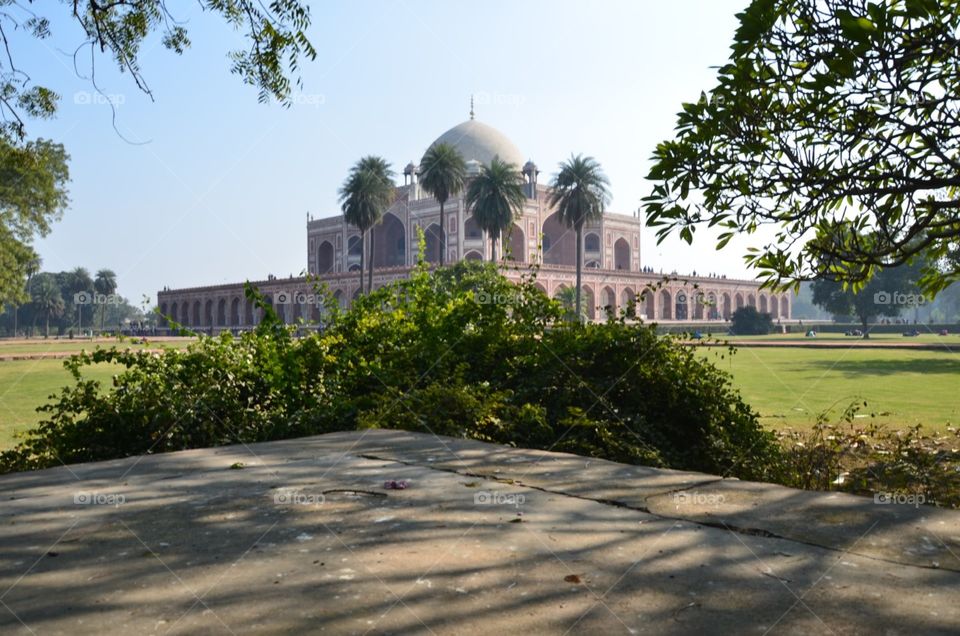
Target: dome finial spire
{"type": "Point", "coordinates": [471, 106]}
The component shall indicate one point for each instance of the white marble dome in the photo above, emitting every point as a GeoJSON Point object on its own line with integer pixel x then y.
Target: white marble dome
{"type": "Point", "coordinates": [479, 142]}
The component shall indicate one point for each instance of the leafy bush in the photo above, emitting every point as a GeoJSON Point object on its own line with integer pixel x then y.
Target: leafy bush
{"type": "Point", "coordinates": [747, 321]}
{"type": "Point", "coordinates": [461, 352]}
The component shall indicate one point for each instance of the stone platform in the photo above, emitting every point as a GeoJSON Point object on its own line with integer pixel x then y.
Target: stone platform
{"type": "Point", "coordinates": [301, 536]}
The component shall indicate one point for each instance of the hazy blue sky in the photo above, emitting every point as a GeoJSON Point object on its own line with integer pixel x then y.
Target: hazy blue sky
{"type": "Point", "coordinates": [220, 191]}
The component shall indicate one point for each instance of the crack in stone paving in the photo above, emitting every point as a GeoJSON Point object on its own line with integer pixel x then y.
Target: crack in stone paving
{"type": "Point", "coordinates": [717, 525]}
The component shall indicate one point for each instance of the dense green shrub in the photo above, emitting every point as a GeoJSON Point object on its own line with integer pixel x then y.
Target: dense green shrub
{"type": "Point", "coordinates": [747, 321]}
{"type": "Point", "coordinates": [461, 351]}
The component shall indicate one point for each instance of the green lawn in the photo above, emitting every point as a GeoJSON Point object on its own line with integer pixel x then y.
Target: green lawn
{"type": "Point", "coordinates": [790, 387]}
{"type": "Point", "coordinates": [26, 384]}
{"type": "Point", "coordinates": [925, 337]}
{"type": "Point", "coordinates": [40, 345]}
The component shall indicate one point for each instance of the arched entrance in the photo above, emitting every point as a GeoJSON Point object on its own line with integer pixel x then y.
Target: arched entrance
{"type": "Point", "coordinates": [325, 257]}
{"type": "Point", "coordinates": [559, 243]}
{"type": "Point", "coordinates": [628, 298]}
{"type": "Point", "coordinates": [698, 306]}
{"type": "Point", "coordinates": [682, 306]}
{"type": "Point", "coordinates": [608, 300]}
{"type": "Point", "coordinates": [591, 243]}
{"type": "Point", "coordinates": [472, 231]}
{"type": "Point", "coordinates": [648, 303]}
{"type": "Point", "coordinates": [666, 305]}
{"type": "Point", "coordinates": [390, 243]}
{"type": "Point", "coordinates": [621, 254]}
{"type": "Point", "coordinates": [589, 300]}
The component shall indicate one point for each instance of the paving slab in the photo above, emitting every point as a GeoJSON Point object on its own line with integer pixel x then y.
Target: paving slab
{"type": "Point", "coordinates": [301, 536]}
{"type": "Point", "coordinates": [898, 529]}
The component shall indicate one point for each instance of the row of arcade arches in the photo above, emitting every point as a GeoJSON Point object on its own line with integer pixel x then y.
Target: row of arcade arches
{"type": "Point", "coordinates": [675, 304]}
{"type": "Point", "coordinates": [663, 304]}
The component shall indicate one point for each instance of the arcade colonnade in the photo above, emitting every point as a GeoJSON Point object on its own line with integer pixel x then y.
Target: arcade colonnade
{"type": "Point", "coordinates": [645, 296]}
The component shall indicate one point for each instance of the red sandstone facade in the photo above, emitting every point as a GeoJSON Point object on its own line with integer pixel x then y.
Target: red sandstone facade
{"type": "Point", "coordinates": [613, 275]}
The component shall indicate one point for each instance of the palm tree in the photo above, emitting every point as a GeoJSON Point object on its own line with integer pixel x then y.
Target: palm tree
{"type": "Point", "coordinates": [79, 281]}
{"type": "Point", "coordinates": [364, 196]}
{"type": "Point", "coordinates": [579, 192]}
{"type": "Point", "coordinates": [568, 298]}
{"type": "Point", "coordinates": [105, 284]}
{"type": "Point", "coordinates": [442, 174]}
{"type": "Point", "coordinates": [47, 299]}
{"type": "Point", "coordinates": [496, 198]}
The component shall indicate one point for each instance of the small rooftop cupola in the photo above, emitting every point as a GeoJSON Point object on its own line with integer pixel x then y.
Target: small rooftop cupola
{"type": "Point", "coordinates": [530, 172]}
{"type": "Point", "coordinates": [473, 167]}
{"type": "Point", "coordinates": [409, 173]}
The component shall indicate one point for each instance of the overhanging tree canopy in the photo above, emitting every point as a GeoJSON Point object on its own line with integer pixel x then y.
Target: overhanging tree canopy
{"type": "Point", "coordinates": [33, 175]}
{"type": "Point", "coordinates": [275, 35]}
{"type": "Point", "coordinates": [838, 122]}
{"type": "Point", "coordinates": [33, 194]}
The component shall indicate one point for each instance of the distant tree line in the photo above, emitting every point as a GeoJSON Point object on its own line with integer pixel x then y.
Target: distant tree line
{"type": "Point", "coordinates": [67, 303]}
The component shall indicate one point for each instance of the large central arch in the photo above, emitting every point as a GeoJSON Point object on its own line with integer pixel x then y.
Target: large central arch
{"type": "Point", "coordinates": [559, 242]}
{"type": "Point", "coordinates": [390, 243]}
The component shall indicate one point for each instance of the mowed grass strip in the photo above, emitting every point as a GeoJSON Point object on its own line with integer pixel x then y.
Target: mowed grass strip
{"type": "Point", "coordinates": [951, 340]}
{"type": "Point", "coordinates": [902, 387]}
{"type": "Point", "coordinates": [26, 384]}
{"type": "Point", "coordinates": [65, 345]}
